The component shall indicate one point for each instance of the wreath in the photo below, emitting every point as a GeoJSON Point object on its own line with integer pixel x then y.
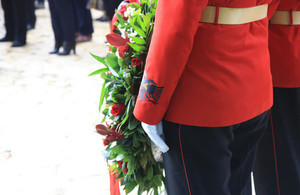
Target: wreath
{"type": "Point", "coordinates": [127, 146]}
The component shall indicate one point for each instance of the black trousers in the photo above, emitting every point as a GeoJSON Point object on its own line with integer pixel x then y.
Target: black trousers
{"type": "Point", "coordinates": [31, 18]}
{"type": "Point", "coordinates": [15, 16]}
{"type": "Point", "coordinates": [277, 166]}
{"type": "Point", "coordinates": [110, 6]}
{"type": "Point", "coordinates": [85, 22]}
{"type": "Point", "coordinates": [212, 161]}
{"type": "Point", "coordinates": [63, 18]}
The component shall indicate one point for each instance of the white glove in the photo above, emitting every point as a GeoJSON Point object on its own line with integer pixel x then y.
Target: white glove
{"type": "Point", "coordinates": [154, 132]}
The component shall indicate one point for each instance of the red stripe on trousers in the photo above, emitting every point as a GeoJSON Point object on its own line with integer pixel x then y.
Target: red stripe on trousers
{"type": "Point", "coordinates": [275, 157]}
{"type": "Point", "coordinates": [187, 179]}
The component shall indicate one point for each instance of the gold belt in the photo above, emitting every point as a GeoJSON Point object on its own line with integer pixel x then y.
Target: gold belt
{"type": "Point", "coordinates": [286, 17]}
{"type": "Point", "coordinates": [227, 15]}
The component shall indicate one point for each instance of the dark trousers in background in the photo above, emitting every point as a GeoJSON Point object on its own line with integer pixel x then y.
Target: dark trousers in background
{"type": "Point", "coordinates": [280, 171]}
{"type": "Point", "coordinates": [110, 6]}
{"type": "Point", "coordinates": [63, 18]}
{"type": "Point", "coordinates": [31, 19]}
{"type": "Point", "coordinates": [212, 161]}
{"type": "Point", "coordinates": [85, 23]}
{"type": "Point", "coordinates": [15, 16]}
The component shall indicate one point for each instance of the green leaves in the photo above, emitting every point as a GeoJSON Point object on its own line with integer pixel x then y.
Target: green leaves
{"type": "Point", "coordinates": [137, 47]}
{"type": "Point", "coordinates": [127, 112]}
{"type": "Point", "coordinates": [138, 40]}
{"type": "Point", "coordinates": [104, 93]}
{"type": "Point", "coordinates": [112, 64]}
{"type": "Point", "coordinates": [99, 71]}
{"type": "Point", "coordinates": [146, 19]}
{"type": "Point", "coordinates": [139, 31]}
{"type": "Point", "coordinates": [117, 97]}
{"type": "Point", "coordinates": [99, 59]}
{"type": "Point", "coordinates": [120, 18]}
{"type": "Point", "coordinates": [112, 61]}
{"type": "Point", "coordinates": [149, 173]}
{"type": "Point", "coordinates": [122, 77]}
{"type": "Point", "coordinates": [133, 123]}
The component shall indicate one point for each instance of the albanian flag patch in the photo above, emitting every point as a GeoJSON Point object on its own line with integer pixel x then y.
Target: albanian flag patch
{"type": "Point", "coordinates": [150, 91]}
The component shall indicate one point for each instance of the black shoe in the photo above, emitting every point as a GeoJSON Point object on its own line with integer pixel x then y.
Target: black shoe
{"type": "Point", "coordinates": [68, 46]}
{"type": "Point", "coordinates": [56, 47]}
{"type": "Point", "coordinates": [102, 19]}
{"type": "Point", "coordinates": [17, 43]}
{"type": "Point", "coordinates": [30, 26]}
{"type": "Point", "coordinates": [6, 39]}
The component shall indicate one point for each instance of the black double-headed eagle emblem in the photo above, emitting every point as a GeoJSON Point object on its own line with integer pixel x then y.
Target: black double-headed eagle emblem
{"type": "Point", "coordinates": [150, 91]}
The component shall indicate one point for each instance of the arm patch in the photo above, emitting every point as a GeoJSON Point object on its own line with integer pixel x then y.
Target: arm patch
{"type": "Point", "coordinates": [150, 91]}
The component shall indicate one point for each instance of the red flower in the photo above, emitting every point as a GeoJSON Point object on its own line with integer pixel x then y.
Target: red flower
{"type": "Point", "coordinates": [122, 10]}
{"type": "Point", "coordinates": [116, 40]}
{"type": "Point", "coordinates": [119, 42]}
{"type": "Point", "coordinates": [120, 163]}
{"type": "Point", "coordinates": [118, 109]}
{"type": "Point", "coordinates": [114, 136]}
{"type": "Point", "coordinates": [136, 62]}
{"type": "Point", "coordinates": [125, 168]}
{"type": "Point", "coordinates": [111, 134]}
{"type": "Point", "coordinates": [122, 50]}
{"type": "Point", "coordinates": [110, 138]}
{"type": "Point", "coordinates": [113, 21]}
{"type": "Point", "coordinates": [118, 136]}
{"type": "Point", "coordinates": [105, 142]}
{"type": "Point", "coordinates": [103, 130]}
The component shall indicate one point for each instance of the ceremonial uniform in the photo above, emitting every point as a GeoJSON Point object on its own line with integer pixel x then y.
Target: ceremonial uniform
{"type": "Point", "coordinates": [277, 168]}
{"type": "Point", "coordinates": [211, 83]}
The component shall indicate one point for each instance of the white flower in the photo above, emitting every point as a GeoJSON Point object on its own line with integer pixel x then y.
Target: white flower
{"type": "Point", "coordinates": [106, 154]}
{"type": "Point", "coordinates": [133, 34]}
{"type": "Point", "coordinates": [117, 54]}
{"type": "Point", "coordinates": [123, 32]}
{"type": "Point", "coordinates": [129, 12]}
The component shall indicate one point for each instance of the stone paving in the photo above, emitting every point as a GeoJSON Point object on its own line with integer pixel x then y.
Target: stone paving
{"type": "Point", "coordinates": [48, 110]}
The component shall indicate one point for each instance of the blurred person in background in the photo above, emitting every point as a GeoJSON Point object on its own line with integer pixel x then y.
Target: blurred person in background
{"type": "Point", "coordinates": [39, 4]}
{"type": "Point", "coordinates": [31, 18]}
{"type": "Point", "coordinates": [15, 14]}
{"type": "Point", "coordinates": [109, 6]}
{"type": "Point", "coordinates": [85, 23]}
{"type": "Point", "coordinates": [98, 5]}
{"type": "Point", "coordinates": [63, 18]}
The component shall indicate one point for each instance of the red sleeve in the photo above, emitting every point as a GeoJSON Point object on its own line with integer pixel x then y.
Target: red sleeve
{"type": "Point", "coordinates": [172, 41]}
{"type": "Point", "coordinates": [272, 8]}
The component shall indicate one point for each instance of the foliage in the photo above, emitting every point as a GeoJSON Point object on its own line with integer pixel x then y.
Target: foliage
{"type": "Point", "coordinates": [127, 145]}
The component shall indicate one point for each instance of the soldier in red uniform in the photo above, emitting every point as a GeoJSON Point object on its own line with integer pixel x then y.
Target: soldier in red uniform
{"type": "Point", "coordinates": [277, 168]}
{"type": "Point", "coordinates": [207, 76]}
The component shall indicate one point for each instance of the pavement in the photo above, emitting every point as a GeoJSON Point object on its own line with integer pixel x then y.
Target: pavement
{"type": "Point", "coordinates": [48, 113]}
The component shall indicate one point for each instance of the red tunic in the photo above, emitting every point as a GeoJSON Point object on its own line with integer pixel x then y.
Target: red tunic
{"type": "Point", "coordinates": [205, 74]}
{"type": "Point", "coordinates": [285, 49]}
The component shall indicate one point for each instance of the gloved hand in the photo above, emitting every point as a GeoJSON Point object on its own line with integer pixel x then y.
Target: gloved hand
{"type": "Point", "coordinates": [154, 132]}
